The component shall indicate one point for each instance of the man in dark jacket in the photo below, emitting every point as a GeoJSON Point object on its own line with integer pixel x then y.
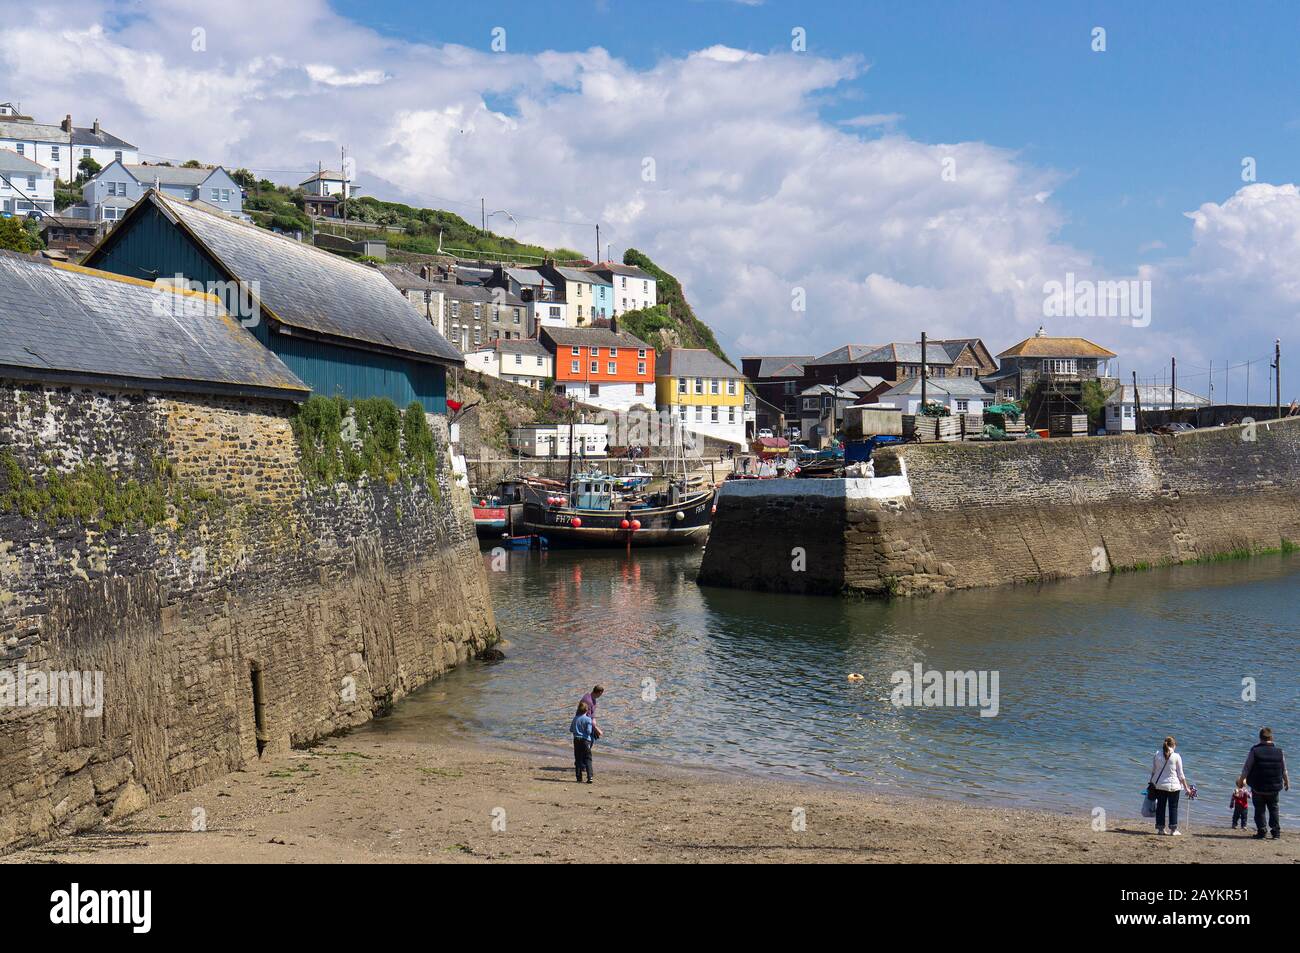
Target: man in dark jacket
{"type": "Point", "coordinates": [1265, 772]}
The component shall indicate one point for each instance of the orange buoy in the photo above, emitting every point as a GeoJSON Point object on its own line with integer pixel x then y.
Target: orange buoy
{"type": "Point", "coordinates": [577, 521]}
{"type": "Point", "coordinates": [625, 524]}
{"type": "Point", "coordinates": [636, 524]}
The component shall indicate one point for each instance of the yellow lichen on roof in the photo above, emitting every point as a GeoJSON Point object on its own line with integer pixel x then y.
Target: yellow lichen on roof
{"type": "Point", "coordinates": [139, 282]}
{"type": "Point", "coordinates": [1056, 347]}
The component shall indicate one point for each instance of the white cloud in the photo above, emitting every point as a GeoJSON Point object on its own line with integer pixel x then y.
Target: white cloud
{"type": "Point", "coordinates": [754, 193]}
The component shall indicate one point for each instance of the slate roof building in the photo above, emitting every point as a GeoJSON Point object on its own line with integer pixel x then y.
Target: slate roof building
{"type": "Point", "coordinates": [64, 324]}
{"type": "Point", "coordinates": [961, 395]}
{"type": "Point", "coordinates": [703, 391]}
{"type": "Point", "coordinates": [776, 384]}
{"type": "Point", "coordinates": [339, 325]}
{"type": "Point", "coordinates": [601, 366]}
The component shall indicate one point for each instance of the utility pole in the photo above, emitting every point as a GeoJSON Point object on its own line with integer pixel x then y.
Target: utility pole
{"type": "Point", "coordinates": [1173, 385]}
{"type": "Point", "coordinates": [1211, 383]}
{"type": "Point", "coordinates": [1277, 373]}
{"type": "Point", "coordinates": [598, 243]}
{"type": "Point", "coordinates": [483, 213]}
{"type": "Point", "coordinates": [1137, 405]}
{"type": "Point", "coordinates": [923, 372]}
{"type": "Point", "coordinates": [1248, 383]}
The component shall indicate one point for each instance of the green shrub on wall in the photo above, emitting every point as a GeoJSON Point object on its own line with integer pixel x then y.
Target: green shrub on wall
{"type": "Point", "coordinates": [341, 440]}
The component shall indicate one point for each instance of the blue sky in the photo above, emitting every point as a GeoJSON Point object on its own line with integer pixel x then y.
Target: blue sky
{"type": "Point", "coordinates": [1154, 126]}
{"type": "Point", "coordinates": [777, 175]}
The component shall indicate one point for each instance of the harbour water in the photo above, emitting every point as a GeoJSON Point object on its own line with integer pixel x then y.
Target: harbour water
{"type": "Point", "coordinates": [1091, 675]}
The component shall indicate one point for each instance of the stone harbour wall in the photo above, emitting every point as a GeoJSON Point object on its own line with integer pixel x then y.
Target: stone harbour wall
{"type": "Point", "coordinates": [256, 614]}
{"type": "Point", "coordinates": [961, 515]}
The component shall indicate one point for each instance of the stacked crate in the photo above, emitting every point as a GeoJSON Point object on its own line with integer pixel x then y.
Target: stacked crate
{"type": "Point", "coordinates": [1069, 425]}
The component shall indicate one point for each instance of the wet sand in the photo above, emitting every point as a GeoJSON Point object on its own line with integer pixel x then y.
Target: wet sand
{"type": "Point", "coordinates": [360, 799]}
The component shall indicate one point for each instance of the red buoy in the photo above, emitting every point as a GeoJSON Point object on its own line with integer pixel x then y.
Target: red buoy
{"type": "Point", "coordinates": [636, 524]}
{"type": "Point", "coordinates": [625, 524]}
{"type": "Point", "coordinates": [577, 521]}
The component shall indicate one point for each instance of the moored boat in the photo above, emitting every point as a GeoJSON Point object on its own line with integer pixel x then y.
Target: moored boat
{"type": "Point", "coordinates": [594, 513]}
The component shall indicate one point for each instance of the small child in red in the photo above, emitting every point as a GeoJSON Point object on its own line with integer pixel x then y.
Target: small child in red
{"type": "Point", "coordinates": [1240, 799]}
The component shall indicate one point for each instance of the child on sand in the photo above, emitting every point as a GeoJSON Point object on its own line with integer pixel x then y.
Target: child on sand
{"type": "Point", "coordinates": [583, 735]}
{"type": "Point", "coordinates": [1240, 798]}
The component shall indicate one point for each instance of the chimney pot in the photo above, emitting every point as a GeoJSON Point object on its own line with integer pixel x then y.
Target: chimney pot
{"type": "Point", "coordinates": [96, 127]}
{"type": "Point", "coordinates": [67, 123]}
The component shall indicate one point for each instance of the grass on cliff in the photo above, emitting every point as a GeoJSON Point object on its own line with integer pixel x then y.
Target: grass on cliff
{"type": "Point", "coordinates": [671, 321]}
{"type": "Point", "coordinates": [340, 441]}
{"type": "Point", "coordinates": [94, 495]}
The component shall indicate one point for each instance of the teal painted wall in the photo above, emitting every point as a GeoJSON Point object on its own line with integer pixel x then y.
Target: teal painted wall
{"type": "Point", "coordinates": [151, 247]}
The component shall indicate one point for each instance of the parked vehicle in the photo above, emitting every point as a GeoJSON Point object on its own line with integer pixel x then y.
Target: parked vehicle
{"type": "Point", "coordinates": [765, 432]}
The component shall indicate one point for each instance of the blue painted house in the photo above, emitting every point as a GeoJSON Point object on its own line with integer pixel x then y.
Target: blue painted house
{"type": "Point", "coordinates": [339, 325]}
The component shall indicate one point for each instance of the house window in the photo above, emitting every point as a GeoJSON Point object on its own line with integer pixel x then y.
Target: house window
{"type": "Point", "coordinates": [611, 368]}
{"type": "Point", "coordinates": [516, 315]}
{"type": "Point", "coordinates": [580, 309]}
{"type": "Point", "coordinates": [1061, 366]}
{"type": "Point", "coordinates": [699, 414]}
{"type": "Point", "coordinates": [962, 405]}
{"type": "Point", "coordinates": [216, 195]}
{"type": "Point", "coordinates": [573, 367]}
{"type": "Point", "coordinates": [713, 414]}
{"type": "Point", "coordinates": [539, 362]}
{"type": "Point", "coordinates": [117, 156]}
{"type": "Point", "coordinates": [640, 390]}
{"type": "Point", "coordinates": [455, 309]}
{"type": "Point", "coordinates": [478, 311]}
{"type": "Point", "coordinates": [641, 353]}
{"type": "Point", "coordinates": [595, 351]}
{"type": "Point", "coordinates": [683, 411]}
{"type": "Point", "coordinates": [731, 388]}
{"type": "Point", "coordinates": [477, 339]}
{"type": "Point", "coordinates": [810, 403]}
{"type": "Point", "coordinates": [225, 195]}
{"type": "Point", "coordinates": [699, 385]}
{"type": "Point", "coordinates": [54, 153]}
{"type": "Point", "coordinates": [594, 390]}
{"type": "Point", "coordinates": [85, 153]}
{"type": "Point", "coordinates": [519, 359]}
{"type": "Point", "coordinates": [21, 149]}
{"type": "Point", "coordinates": [681, 385]}
{"type": "Point", "coordinates": [645, 287]}
{"type": "Point", "coordinates": [613, 352]}
{"type": "Point", "coordinates": [640, 367]}
{"type": "Point", "coordinates": [31, 183]}
{"type": "Point", "coordinates": [555, 312]}
{"type": "Point", "coordinates": [623, 285]}
{"type": "Point", "coordinates": [595, 367]}
{"type": "Point", "coordinates": [575, 351]}
{"type": "Point", "coordinates": [713, 386]}
{"type": "Point", "coordinates": [731, 415]}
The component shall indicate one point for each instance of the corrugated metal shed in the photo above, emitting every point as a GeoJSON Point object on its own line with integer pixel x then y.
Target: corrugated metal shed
{"type": "Point", "coordinates": [63, 322]}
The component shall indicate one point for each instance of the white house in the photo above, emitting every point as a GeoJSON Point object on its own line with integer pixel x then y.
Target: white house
{"type": "Point", "coordinates": [634, 288]}
{"type": "Point", "coordinates": [1121, 407]}
{"type": "Point", "coordinates": [523, 362]}
{"type": "Point", "coordinates": [961, 395]}
{"type": "Point", "coordinates": [61, 148]}
{"type": "Point", "coordinates": [118, 186]}
{"type": "Point", "coordinates": [327, 182]}
{"type": "Point", "coordinates": [25, 186]}
{"type": "Point", "coordinates": [552, 440]}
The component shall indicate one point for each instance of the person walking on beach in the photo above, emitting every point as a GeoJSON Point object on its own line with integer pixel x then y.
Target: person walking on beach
{"type": "Point", "coordinates": [590, 699]}
{"type": "Point", "coordinates": [1168, 780]}
{"type": "Point", "coordinates": [1240, 800]}
{"type": "Point", "coordinates": [583, 736]}
{"type": "Point", "coordinates": [1265, 772]}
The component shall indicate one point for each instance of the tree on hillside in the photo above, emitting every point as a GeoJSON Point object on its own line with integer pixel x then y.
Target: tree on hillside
{"type": "Point", "coordinates": [245, 179]}
{"type": "Point", "coordinates": [191, 164]}
{"type": "Point", "coordinates": [87, 168]}
{"type": "Point", "coordinates": [16, 235]}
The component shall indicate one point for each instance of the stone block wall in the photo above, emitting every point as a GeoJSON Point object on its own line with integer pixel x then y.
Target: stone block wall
{"type": "Point", "coordinates": [982, 514]}
{"type": "Point", "coordinates": [333, 601]}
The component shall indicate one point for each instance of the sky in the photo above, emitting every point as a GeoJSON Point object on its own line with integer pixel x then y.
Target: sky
{"type": "Point", "coordinates": [815, 173]}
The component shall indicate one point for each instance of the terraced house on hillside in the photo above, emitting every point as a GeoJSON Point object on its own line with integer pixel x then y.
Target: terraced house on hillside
{"type": "Point", "coordinates": [703, 391]}
{"type": "Point", "coordinates": [339, 325]}
{"type": "Point", "coordinates": [605, 367]}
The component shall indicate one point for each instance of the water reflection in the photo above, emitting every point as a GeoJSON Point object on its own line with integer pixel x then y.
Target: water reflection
{"type": "Point", "coordinates": [1092, 673]}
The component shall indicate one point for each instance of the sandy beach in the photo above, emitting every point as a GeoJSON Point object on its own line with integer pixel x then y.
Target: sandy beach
{"type": "Point", "coordinates": [361, 799]}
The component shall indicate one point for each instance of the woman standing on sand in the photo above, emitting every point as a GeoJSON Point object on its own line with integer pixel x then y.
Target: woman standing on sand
{"type": "Point", "coordinates": [1169, 782]}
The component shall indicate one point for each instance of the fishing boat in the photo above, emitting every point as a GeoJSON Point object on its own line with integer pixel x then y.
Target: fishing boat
{"type": "Point", "coordinates": [596, 513]}
{"type": "Point", "coordinates": [634, 477]}
{"type": "Point", "coordinates": [499, 512]}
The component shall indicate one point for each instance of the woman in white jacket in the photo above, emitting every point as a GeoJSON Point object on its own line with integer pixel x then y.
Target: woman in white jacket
{"type": "Point", "coordinates": [1167, 776]}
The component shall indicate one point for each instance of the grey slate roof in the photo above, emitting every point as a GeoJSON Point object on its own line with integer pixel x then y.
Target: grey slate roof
{"type": "Point", "coordinates": [478, 293]}
{"type": "Point", "coordinates": [863, 383]}
{"type": "Point", "coordinates": [32, 131]}
{"type": "Point", "coordinates": [86, 136]}
{"type": "Point", "coordinates": [910, 354]}
{"type": "Point", "coordinates": [952, 386]}
{"type": "Point", "coordinates": [694, 362]}
{"type": "Point", "coordinates": [848, 354]}
{"type": "Point", "coordinates": [305, 287]}
{"type": "Point", "coordinates": [527, 346]}
{"type": "Point", "coordinates": [529, 277]}
{"type": "Point", "coordinates": [774, 366]}
{"type": "Point", "coordinates": [616, 268]}
{"type": "Point", "coordinates": [168, 174]}
{"type": "Point", "coordinates": [592, 337]}
{"type": "Point", "coordinates": [60, 322]}
{"type": "Point", "coordinates": [11, 161]}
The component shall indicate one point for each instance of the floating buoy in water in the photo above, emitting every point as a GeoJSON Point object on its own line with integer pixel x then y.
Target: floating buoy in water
{"type": "Point", "coordinates": [577, 521]}
{"type": "Point", "coordinates": [680, 515]}
{"type": "Point", "coordinates": [625, 524]}
{"type": "Point", "coordinates": [855, 677]}
{"type": "Point", "coordinates": [636, 525]}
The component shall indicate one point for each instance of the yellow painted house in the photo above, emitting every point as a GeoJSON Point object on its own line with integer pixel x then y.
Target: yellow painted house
{"type": "Point", "coordinates": [705, 392]}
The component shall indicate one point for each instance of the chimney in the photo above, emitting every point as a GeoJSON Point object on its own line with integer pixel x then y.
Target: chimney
{"type": "Point", "coordinates": [96, 127]}
{"type": "Point", "coordinates": [613, 324]}
{"type": "Point", "coordinates": [67, 123]}
{"type": "Point", "coordinates": [424, 272]}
